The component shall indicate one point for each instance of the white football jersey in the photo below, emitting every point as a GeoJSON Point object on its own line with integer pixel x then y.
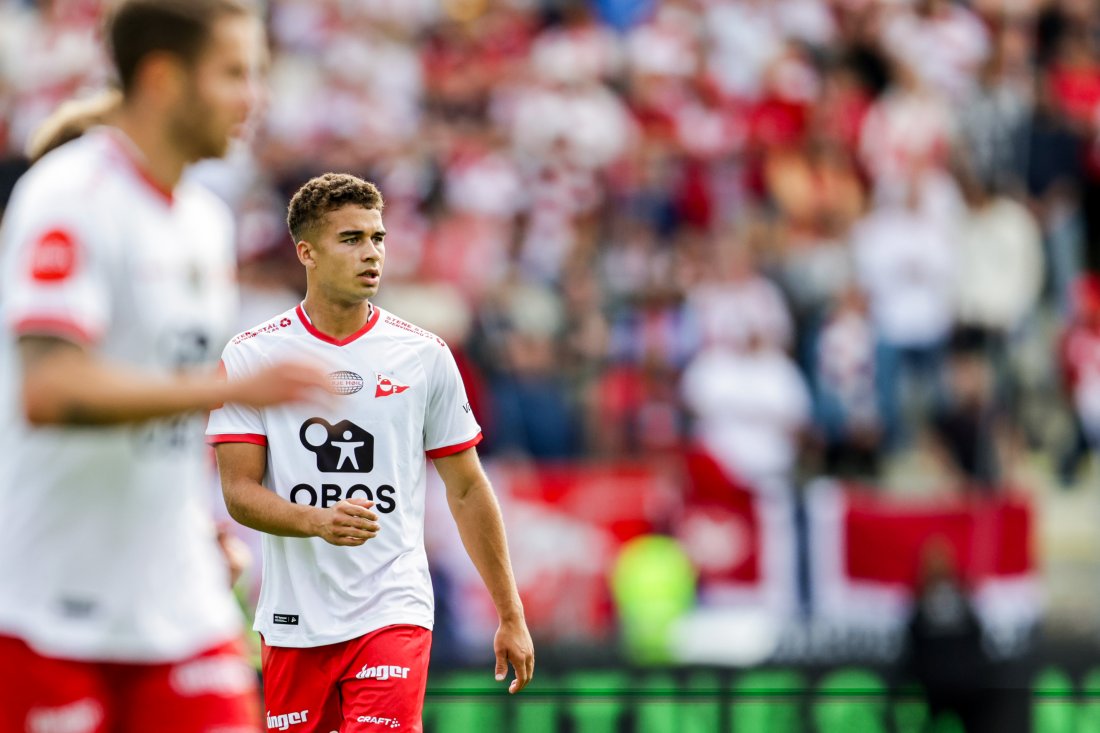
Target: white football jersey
{"type": "Point", "coordinates": [107, 548]}
{"type": "Point", "coordinates": [400, 400]}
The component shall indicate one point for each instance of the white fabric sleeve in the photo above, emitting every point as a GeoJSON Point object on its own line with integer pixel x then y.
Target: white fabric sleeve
{"type": "Point", "coordinates": [235, 423]}
{"type": "Point", "coordinates": [58, 264]}
{"type": "Point", "coordinates": [449, 422]}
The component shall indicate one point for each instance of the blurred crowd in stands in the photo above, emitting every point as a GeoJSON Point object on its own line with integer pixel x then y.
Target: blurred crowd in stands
{"type": "Point", "coordinates": [807, 234]}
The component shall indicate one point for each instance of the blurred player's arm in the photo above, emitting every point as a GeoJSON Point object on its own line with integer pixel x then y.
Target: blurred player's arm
{"type": "Point", "coordinates": [481, 526]}
{"type": "Point", "coordinates": [64, 384]}
{"type": "Point", "coordinates": [347, 523]}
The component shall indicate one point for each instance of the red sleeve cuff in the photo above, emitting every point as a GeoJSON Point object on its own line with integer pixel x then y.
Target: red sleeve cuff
{"type": "Point", "coordinates": [450, 450]}
{"type": "Point", "coordinates": [47, 326]}
{"type": "Point", "coordinates": [254, 438]}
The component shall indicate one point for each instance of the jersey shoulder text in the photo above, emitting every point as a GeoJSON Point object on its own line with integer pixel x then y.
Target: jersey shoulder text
{"type": "Point", "coordinates": [278, 323]}
{"type": "Point", "coordinates": [402, 325]}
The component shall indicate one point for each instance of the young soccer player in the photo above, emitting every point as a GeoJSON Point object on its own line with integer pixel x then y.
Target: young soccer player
{"type": "Point", "coordinates": [346, 604]}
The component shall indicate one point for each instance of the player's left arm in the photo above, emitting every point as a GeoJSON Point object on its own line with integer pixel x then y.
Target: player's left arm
{"type": "Point", "coordinates": [481, 526]}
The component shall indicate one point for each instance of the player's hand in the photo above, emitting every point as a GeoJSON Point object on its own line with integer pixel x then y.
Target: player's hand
{"type": "Point", "coordinates": [236, 553]}
{"type": "Point", "coordinates": [279, 384]}
{"type": "Point", "coordinates": [347, 523]}
{"type": "Point", "coordinates": [512, 644]}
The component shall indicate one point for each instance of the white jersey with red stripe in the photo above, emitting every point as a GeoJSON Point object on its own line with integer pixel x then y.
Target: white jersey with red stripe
{"type": "Point", "coordinates": [400, 400]}
{"type": "Point", "coordinates": [107, 548]}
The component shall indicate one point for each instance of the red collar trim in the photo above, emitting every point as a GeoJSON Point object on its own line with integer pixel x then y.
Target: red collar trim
{"type": "Point", "coordinates": [125, 147]}
{"type": "Point", "coordinates": [371, 320]}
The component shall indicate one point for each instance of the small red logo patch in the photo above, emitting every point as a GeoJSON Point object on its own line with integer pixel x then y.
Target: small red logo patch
{"type": "Point", "coordinates": [54, 256]}
{"type": "Point", "coordinates": [387, 386]}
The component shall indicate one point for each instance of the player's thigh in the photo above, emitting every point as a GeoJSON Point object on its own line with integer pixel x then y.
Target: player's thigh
{"type": "Point", "coordinates": [39, 694]}
{"type": "Point", "coordinates": [383, 687]}
{"type": "Point", "coordinates": [212, 692]}
{"type": "Point", "coordinates": [301, 688]}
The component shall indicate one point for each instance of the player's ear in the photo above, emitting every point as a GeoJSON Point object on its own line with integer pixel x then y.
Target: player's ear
{"type": "Point", "coordinates": [305, 253]}
{"type": "Point", "coordinates": [163, 74]}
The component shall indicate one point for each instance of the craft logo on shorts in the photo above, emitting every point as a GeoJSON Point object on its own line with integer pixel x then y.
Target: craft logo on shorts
{"type": "Point", "coordinates": [386, 722]}
{"type": "Point", "coordinates": [343, 447]}
{"type": "Point", "coordinates": [345, 383]}
{"type": "Point", "coordinates": [54, 256]}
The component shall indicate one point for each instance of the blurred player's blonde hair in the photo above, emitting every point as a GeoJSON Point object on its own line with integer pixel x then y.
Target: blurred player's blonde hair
{"type": "Point", "coordinates": [71, 120]}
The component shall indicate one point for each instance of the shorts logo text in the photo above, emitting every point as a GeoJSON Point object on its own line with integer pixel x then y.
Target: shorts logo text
{"type": "Point", "coordinates": [388, 722]}
{"type": "Point", "coordinates": [383, 672]}
{"type": "Point", "coordinates": [282, 722]}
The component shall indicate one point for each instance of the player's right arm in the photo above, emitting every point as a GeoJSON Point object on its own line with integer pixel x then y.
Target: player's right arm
{"type": "Point", "coordinates": [348, 523]}
{"type": "Point", "coordinates": [66, 384]}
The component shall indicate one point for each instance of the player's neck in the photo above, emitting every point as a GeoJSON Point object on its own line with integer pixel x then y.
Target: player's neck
{"type": "Point", "coordinates": [162, 160]}
{"type": "Point", "coordinates": [336, 319]}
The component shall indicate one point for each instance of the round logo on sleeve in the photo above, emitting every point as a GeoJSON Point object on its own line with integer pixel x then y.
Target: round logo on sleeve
{"type": "Point", "coordinates": [54, 256]}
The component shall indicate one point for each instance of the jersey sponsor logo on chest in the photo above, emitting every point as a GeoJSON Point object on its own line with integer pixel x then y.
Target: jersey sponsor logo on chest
{"type": "Point", "coordinates": [340, 447]}
{"type": "Point", "coordinates": [345, 382]}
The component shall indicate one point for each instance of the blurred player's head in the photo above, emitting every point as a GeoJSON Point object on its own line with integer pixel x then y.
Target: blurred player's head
{"type": "Point", "coordinates": [71, 120]}
{"type": "Point", "coordinates": [336, 223]}
{"type": "Point", "coordinates": [189, 64]}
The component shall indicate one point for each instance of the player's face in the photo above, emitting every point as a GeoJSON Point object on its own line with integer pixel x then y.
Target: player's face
{"type": "Point", "coordinates": [345, 262]}
{"type": "Point", "coordinates": [222, 88]}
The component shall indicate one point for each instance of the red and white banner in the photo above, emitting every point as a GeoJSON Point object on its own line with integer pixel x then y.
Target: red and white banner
{"type": "Point", "coordinates": [568, 522]}
{"type": "Point", "coordinates": [741, 540]}
{"type": "Point", "coordinates": [866, 551]}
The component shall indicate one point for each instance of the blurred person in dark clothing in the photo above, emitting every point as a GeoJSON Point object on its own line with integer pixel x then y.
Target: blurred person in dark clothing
{"type": "Point", "coordinates": [944, 644]}
{"type": "Point", "coordinates": [971, 425]}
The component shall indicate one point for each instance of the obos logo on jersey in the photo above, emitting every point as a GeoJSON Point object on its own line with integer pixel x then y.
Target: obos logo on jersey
{"type": "Point", "coordinates": [341, 447]}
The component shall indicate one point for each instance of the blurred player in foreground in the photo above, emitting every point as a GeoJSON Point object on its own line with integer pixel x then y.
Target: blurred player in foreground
{"type": "Point", "coordinates": [346, 604]}
{"type": "Point", "coordinates": [117, 286]}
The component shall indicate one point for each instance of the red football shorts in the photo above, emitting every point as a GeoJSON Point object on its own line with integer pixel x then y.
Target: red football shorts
{"type": "Point", "coordinates": [212, 692]}
{"type": "Point", "coordinates": [371, 683]}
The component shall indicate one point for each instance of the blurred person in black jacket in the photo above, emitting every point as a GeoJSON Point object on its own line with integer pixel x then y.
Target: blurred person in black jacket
{"type": "Point", "coordinates": [947, 654]}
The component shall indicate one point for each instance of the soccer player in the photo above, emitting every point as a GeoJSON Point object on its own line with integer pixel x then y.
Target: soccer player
{"type": "Point", "coordinates": [116, 290]}
{"type": "Point", "coordinates": [346, 604]}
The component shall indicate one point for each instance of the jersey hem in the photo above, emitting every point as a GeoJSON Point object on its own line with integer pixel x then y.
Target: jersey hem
{"type": "Point", "coordinates": [254, 438]}
{"type": "Point", "coordinates": [108, 651]}
{"type": "Point", "coordinates": [450, 450]}
{"type": "Point", "coordinates": [380, 623]}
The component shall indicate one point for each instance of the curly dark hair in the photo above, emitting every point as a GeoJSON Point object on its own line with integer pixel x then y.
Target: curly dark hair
{"type": "Point", "coordinates": [326, 193]}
